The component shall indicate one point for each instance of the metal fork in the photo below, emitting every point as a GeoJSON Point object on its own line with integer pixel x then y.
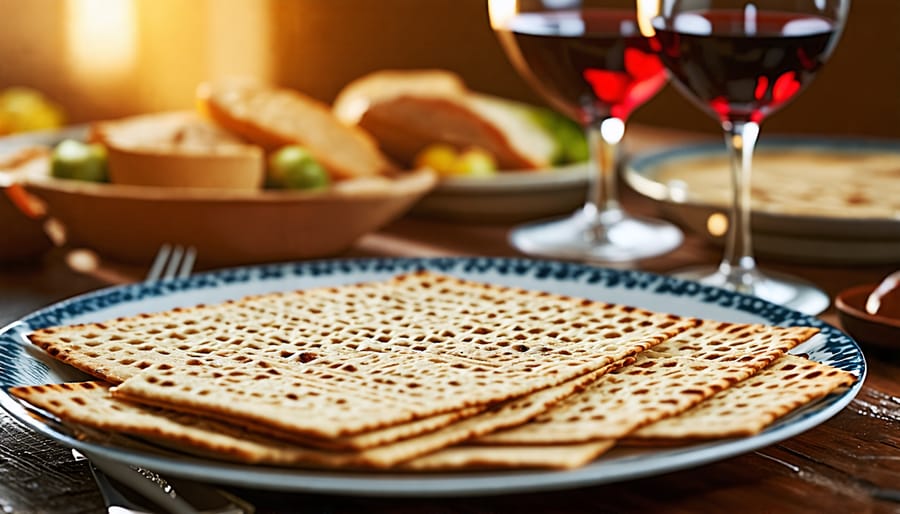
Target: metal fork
{"type": "Point", "coordinates": [172, 262]}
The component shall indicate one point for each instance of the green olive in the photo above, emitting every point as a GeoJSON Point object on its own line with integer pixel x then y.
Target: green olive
{"type": "Point", "coordinates": [294, 167]}
{"type": "Point", "coordinates": [73, 159]}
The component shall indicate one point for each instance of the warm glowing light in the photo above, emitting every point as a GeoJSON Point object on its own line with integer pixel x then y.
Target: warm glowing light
{"type": "Point", "coordinates": [500, 12]}
{"type": "Point", "coordinates": [83, 261]}
{"type": "Point", "coordinates": [237, 39]}
{"type": "Point", "coordinates": [646, 11]}
{"type": "Point", "coordinates": [717, 224]}
{"type": "Point", "coordinates": [101, 37]}
{"type": "Point", "coordinates": [612, 130]}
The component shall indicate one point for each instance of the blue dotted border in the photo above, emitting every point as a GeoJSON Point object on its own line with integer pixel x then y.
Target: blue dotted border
{"type": "Point", "coordinates": [838, 350]}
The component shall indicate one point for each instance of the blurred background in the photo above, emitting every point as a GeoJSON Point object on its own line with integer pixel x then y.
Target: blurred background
{"type": "Point", "coordinates": [108, 58]}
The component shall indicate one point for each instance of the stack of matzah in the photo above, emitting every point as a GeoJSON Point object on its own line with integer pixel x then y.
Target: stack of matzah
{"type": "Point", "coordinates": [424, 371]}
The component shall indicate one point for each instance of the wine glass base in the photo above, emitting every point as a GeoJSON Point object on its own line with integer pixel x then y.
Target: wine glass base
{"type": "Point", "coordinates": [786, 290]}
{"type": "Point", "coordinates": [624, 239]}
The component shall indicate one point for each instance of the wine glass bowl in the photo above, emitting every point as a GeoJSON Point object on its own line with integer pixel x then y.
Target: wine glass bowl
{"type": "Point", "coordinates": [595, 64]}
{"type": "Point", "coordinates": [740, 61]}
{"type": "Point", "coordinates": [743, 64]}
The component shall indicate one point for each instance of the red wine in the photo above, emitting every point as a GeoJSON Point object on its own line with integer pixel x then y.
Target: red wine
{"type": "Point", "coordinates": [590, 64]}
{"type": "Point", "coordinates": [740, 74]}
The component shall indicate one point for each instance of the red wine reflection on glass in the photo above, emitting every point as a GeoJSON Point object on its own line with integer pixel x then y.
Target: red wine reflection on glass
{"type": "Point", "coordinates": [741, 77]}
{"type": "Point", "coordinates": [741, 61]}
{"type": "Point", "coordinates": [597, 67]}
{"type": "Point", "coordinates": [590, 64]}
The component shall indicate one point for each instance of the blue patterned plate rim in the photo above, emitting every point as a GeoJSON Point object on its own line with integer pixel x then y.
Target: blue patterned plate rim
{"type": "Point", "coordinates": [21, 365]}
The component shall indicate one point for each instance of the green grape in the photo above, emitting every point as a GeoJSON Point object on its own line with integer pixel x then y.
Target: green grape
{"type": "Point", "coordinates": [294, 167]}
{"type": "Point", "coordinates": [75, 160]}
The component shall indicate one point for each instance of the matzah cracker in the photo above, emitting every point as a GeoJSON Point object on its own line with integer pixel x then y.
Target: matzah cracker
{"type": "Point", "coordinates": [799, 182]}
{"type": "Point", "coordinates": [392, 433]}
{"type": "Point", "coordinates": [89, 404]}
{"type": "Point", "coordinates": [689, 368]}
{"type": "Point", "coordinates": [751, 405]}
{"type": "Point", "coordinates": [416, 313]}
{"type": "Point", "coordinates": [560, 456]}
{"type": "Point", "coordinates": [237, 393]}
{"type": "Point", "coordinates": [421, 344]}
{"type": "Point", "coordinates": [736, 342]}
{"type": "Point", "coordinates": [506, 414]}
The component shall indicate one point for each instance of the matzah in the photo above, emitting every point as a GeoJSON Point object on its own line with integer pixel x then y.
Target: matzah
{"type": "Point", "coordinates": [751, 405]}
{"type": "Point", "coordinates": [89, 404]}
{"type": "Point", "coordinates": [390, 374]}
{"type": "Point", "coordinates": [559, 456]}
{"type": "Point", "coordinates": [744, 409]}
{"type": "Point", "coordinates": [361, 357]}
{"type": "Point", "coordinates": [421, 313]}
{"type": "Point", "coordinates": [664, 381]}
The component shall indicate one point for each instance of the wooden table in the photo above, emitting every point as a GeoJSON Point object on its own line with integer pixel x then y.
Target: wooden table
{"type": "Point", "coordinates": [841, 466]}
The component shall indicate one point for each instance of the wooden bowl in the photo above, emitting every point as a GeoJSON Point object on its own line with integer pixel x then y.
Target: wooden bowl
{"type": "Point", "coordinates": [129, 223]}
{"type": "Point", "coordinates": [23, 238]}
{"type": "Point", "coordinates": [882, 330]}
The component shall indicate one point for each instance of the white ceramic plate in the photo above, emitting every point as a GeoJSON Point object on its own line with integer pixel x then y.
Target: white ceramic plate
{"type": "Point", "coordinates": [21, 363]}
{"type": "Point", "coordinates": [825, 238]}
{"type": "Point", "coordinates": [510, 196]}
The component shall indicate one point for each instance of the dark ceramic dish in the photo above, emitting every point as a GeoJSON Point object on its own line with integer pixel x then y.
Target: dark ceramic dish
{"type": "Point", "coordinates": [881, 330]}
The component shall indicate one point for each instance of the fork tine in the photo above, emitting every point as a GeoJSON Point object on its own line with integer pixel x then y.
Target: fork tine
{"type": "Point", "coordinates": [159, 263]}
{"type": "Point", "coordinates": [187, 263]}
{"type": "Point", "coordinates": [174, 262]}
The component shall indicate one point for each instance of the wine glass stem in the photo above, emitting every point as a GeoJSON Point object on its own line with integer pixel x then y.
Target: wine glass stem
{"type": "Point", "coordinates": [738, 264]}
{"type": "Point", "coordinates": [603, 140]}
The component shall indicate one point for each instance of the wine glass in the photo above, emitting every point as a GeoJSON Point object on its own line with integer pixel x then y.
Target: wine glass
{"type": "Point", "coordinates": [740, 61]}
{"type": "Point", "coordinates": [594, 64]}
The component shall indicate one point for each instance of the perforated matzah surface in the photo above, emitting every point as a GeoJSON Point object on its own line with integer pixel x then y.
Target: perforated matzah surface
{"type": "Point", "coordinates": [423, 313]}
{"type": "Point", "coordinates": [89, 404]}
{"type": "Point", "coordinates": [800, 181]}
{"type": "Point", "coordinates": [362, 357]}
{"type": "Point", "coordinates": [751, 405]}
{"type": "Point", "coordinates": [669, 379]}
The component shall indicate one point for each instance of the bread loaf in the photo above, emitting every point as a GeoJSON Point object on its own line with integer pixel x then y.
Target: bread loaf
{"type": "Point", "coordinates": [408, 110]}
{"type": "Point", "coordinates": [178, 149]}
{"type": "Point", "coordinates": [273, 117]}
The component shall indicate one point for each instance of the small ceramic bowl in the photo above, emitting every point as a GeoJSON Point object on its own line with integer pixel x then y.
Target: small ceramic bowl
{"type": "Point", "coordinates": [881, 330]}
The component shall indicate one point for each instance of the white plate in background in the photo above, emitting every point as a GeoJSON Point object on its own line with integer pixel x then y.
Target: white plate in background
{"type": "Point", "coordinates": [508, 196]}
{"type": "Point", "coordinates": [797, 233]}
